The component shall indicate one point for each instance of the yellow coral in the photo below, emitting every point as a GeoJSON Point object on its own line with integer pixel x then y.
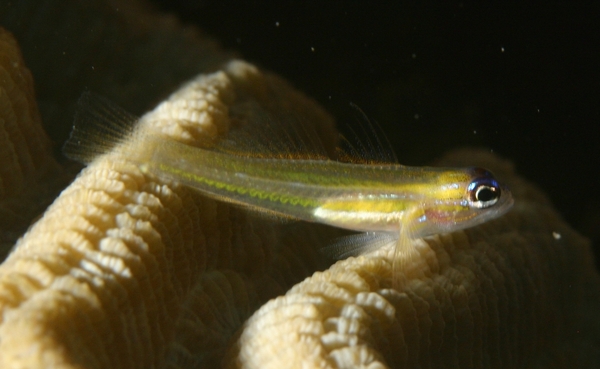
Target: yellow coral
{"type": "Point", "coordinates": [125, 271]}
{"type": "Point", "coordinates": [24, 147]}
{"type": "Point", "coordinates": [118, 258]}
{"type": "Point", "coordinates": [512, 293]}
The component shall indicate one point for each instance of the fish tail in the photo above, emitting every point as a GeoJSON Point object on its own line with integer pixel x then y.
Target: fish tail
{"type": "Point", "coordinates": [99, 126]}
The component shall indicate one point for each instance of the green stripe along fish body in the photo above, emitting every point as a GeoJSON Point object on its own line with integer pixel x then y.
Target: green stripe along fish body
{"type": "Point", "coordinates": [392, 202]}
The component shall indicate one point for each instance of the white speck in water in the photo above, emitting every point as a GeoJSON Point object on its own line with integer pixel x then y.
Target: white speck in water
{"type": "Point", "coordinates": [417, 116]}
{"type": "Point", "coordinates": [92, 67]}
{"type": "Point", "coordinates": [556, 235]}
{"type": "Point", "coordinates": [474, 132]}
{"type": "Point", "coordinates": [414, 56]}
{"type": "Point", "coordinates": [312, 49]}
{"type": "Point", "coordinates": [538, 110]}
{"type": "Point", "coordinates": [276, 24]}
{"type": "Point", "coordinates": [329, 97]}
{"type": "Point", "coordinates": [502, 49]}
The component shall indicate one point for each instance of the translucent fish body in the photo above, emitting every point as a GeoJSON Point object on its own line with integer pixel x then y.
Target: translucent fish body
{"type": "Point", "coordinates": [358, 197]}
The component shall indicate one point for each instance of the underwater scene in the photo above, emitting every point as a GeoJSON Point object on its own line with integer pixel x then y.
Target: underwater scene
{"type": "Point", "coordinates": [321, 185]}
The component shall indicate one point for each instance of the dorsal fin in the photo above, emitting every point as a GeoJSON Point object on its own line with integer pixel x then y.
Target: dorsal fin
{"type": "Point", "coordinates": [99, 125]}
{"type": "Point", "coordinates": [264, 134]}
{"type": "Point", "coordinates": [366, 142]}
{"type": "Point", "coordinates": [261, 133]}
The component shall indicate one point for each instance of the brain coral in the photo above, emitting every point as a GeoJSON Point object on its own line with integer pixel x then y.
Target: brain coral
{"type": "Point", "coordinates": [126, 271]}
{"type": "Point", "coordinates": [515, 292]}
{"type": "Point", "coordinates": [28, 173]}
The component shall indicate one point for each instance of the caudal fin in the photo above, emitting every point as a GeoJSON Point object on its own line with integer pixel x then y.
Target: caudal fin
{"type": "Point", "coordinates": [99, 126]}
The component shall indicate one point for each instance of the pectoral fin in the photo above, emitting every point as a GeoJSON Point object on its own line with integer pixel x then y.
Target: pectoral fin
{"type": "Point", "coordinates": [405, 251]}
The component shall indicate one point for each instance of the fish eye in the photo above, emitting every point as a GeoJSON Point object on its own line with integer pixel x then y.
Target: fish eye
{"type": "Point", "coordinates": [483, 193]}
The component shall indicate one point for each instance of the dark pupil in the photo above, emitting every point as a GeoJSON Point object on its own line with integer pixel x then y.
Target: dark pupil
{"type": "Point", "coordinates": [485, 193]}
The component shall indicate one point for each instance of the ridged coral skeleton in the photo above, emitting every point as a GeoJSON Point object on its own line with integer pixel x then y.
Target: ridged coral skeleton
{"type": "Point", "coordinates": [125, 271]}
{"type": "Point", "coordinates": [24, 147]}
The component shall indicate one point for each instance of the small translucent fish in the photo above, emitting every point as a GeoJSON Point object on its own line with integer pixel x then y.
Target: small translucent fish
{"type": "Point", "coordinates": [389, 202]}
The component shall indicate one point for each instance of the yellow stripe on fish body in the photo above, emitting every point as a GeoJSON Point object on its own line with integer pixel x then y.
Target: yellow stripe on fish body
{"type": "Point", "coordinates": [361, 214]}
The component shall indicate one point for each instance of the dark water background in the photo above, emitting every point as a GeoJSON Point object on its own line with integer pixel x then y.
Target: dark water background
{"type": "Point", "coordinates": [521, 81]}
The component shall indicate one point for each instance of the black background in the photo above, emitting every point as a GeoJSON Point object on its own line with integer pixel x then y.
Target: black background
{"type": "Point", "coordinates": [521, 81]}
